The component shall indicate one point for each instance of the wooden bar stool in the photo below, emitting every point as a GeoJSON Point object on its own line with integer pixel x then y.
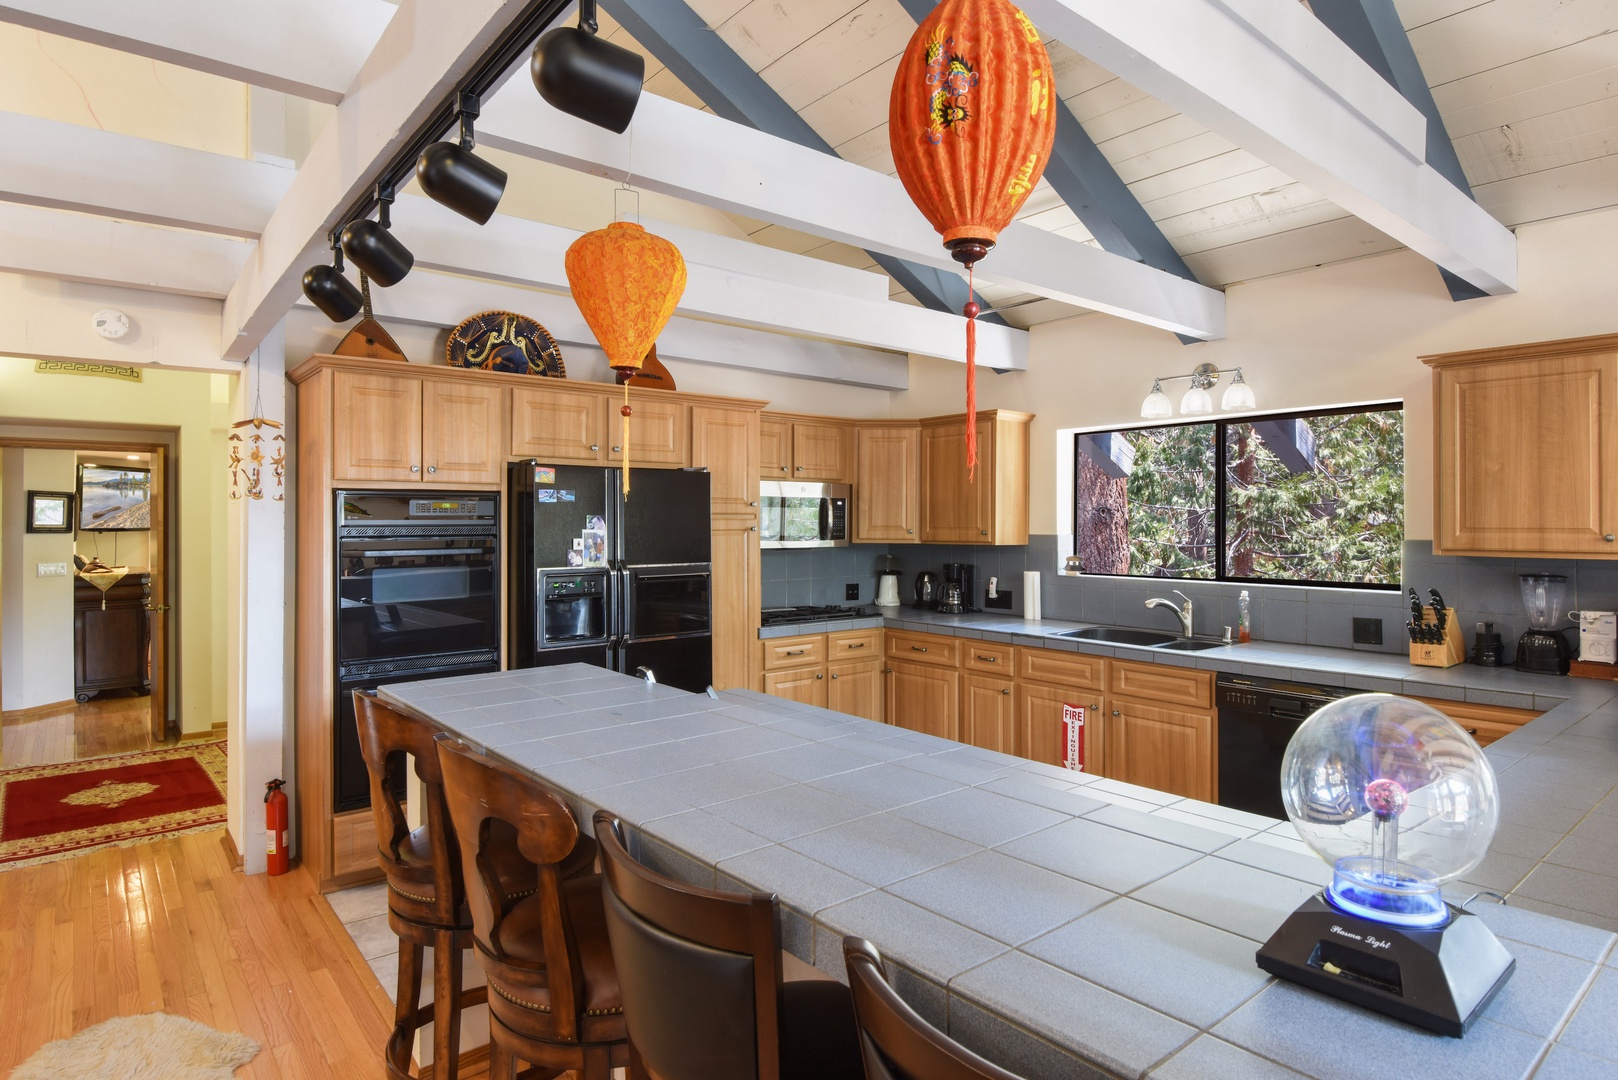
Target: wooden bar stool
{"type": "Point", "coordinates": [702, 982]}
{"type": "Point", "coordinates": [426, 897]}
{"type": "Point", "coordinates": [553, 988]}
{"type": "Point", "coordinates": [898, 1044]}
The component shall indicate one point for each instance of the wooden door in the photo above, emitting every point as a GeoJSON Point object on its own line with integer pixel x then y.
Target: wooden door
{"type": "Point", "coordinates": [724, 441]}
{"type": "Point", "coordinates": [775, 449]}
{"type": "Point", "coordinates": [463, 433]}
{"type": "Point", "coordinates": [988, 712]}
{"type": "Point", "coordinates": [820, 452]}
{"type": "Point", "coordinates": [1039, 724]}
{"type": "Point", "coordinates": [1528, 457]}
{"type": "Point", "coordinates": [376, 427]}
{"type": "Point", "coordinates": [887, 485]}
{"type": "Point", "coordinates": [1166, 749]}
{"type": "Point", "coordinates": [807, 685]}
{"type": "Point", "coordinates": [659, 430]}
{"type": "Point", "coordinates": [954, 511]}
{"type": "Point", "coordinates": [158, 604]}
{"type": "Point", "coordinates": [924, 697]}
{"type": "Point", "coordinates": [559, 425]}
{"type": "Point", "coordinates": [856, 688]}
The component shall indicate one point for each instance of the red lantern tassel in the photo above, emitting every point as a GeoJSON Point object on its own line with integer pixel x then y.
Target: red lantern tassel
{"type": "Point", "coordinates": [971, 312]}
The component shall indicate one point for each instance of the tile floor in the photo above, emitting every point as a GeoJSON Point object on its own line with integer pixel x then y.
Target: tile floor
{"type": "Point", "coordinates": [363, 911]}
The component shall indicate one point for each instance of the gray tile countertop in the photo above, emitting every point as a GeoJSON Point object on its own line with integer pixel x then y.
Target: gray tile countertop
{"type": "Point", "coordinates": [1060, 924]}
{"type": "Point", "coordinates": [1557, 849]}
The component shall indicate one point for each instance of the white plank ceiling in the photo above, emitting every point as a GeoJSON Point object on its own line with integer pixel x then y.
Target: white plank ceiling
{"type": "Point", "coordinates": [1528, 90]}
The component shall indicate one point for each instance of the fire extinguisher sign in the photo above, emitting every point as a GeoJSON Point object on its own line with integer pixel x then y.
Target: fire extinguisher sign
{"type": "Point", "coordinates": [1073, 737]}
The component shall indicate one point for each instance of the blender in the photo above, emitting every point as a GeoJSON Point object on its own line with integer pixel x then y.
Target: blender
{"type": "Point", "coordinates": [887, 580]}
{"type": "Point", "coordinates": [1542, 648]}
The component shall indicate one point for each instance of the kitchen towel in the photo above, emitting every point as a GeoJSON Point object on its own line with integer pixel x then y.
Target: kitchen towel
{"type": "Point", "coordinates": [1030, 594]}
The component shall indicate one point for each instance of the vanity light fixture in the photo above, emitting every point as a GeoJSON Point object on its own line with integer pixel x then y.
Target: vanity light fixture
{"type": "Point", "coordinates": [453, 176]}
{"type": "Point", "coordinates": [1197, 401]}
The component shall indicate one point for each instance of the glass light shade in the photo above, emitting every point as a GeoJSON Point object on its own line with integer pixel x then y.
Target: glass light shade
{"type": "Point", "coordinates": [1238, 395]}
{"type": "Point", "coordinates": [1197, 402]}
{"type": "Point", "coordinates": [1397, 797]}
{"type": "Point", "coordinates": [1157, 405]}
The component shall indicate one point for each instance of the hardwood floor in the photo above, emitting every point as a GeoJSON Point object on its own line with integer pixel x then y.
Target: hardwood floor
{"type": "Point", "coordinates": [171, 925]}
{"type": "Point", "coordinates": [114, 724]}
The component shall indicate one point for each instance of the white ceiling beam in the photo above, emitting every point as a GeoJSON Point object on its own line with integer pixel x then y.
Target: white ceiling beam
{"type": "Point", "coordinates": [428, 46]}
{"type": "Point", "coordinates": [65, 166]}
{"type": "Point", "coordinates": [309, 48]}
{"type": "Point", "coordinates": [681, 151]}
{"type": "Point", "coordinates": [1273, 79]}
{"type": "Point", "coordinates": [78, 247]}
{"type": "Point", "coordinates": [531, 253]}
{"type": "Point", "coordinates": [431, 299]}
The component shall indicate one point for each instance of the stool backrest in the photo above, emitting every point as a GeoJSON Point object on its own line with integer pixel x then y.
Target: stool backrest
{"type": "Point", "coordinates": [481, 793]}
{"type": "Point", "coordinates": [700, 970]}
{"type": "Point", "coordinates": [898, 1044]}
{"type": "Point", "coordinates": [385, 735]}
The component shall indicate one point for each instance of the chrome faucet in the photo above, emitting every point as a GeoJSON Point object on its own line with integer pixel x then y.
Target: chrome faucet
{"type": "Point", "coordinates": [1182, 610]}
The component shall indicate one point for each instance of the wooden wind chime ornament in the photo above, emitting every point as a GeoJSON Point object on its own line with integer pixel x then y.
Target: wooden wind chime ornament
{"type": "Point", "coordinates": [626, 282]}
{"type": "Point", "coordinates": [971, 121]}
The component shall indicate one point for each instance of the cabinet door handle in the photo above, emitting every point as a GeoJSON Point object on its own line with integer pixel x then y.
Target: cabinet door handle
{"type": "Point", "coordinates": [432, 468]}
{"type": "Point", "coordinates": [752, 528]}
{"type": "Point", "coordinates": [1608, 538]}
{"type": "Point", "coordinates": [796, 652]}
{"type": "Point", "coordinates": [912, 532]}
{"type": "Point", "coordinates": [990, 659]}
{"type": "Point", "coordinates": [800, 468]}
{"type": "Point", "coordinates": [820, 676]}
{"type": "Point", "coordinates": [415, 468]}
{"type": "Point", "coordinates": [1471, 731]}
{"type": "Point", "coordinates": [983, 532]}
{"type": "Point", "coordinates": [887, 671]}
{"type": "Point", "coordinates": [595, 448]}
{"type": "Point", "coordinates": [918, 648]}
{"type": "Point", "coordinates": [752, 504]}
{"type": "Point", "coordinates": [834, 676]}
{"type": "Point", "coordinates": [1005, 691]}
{"type": "Point", "coordinates": [783, 468]}
{"type": "Point", "coordinates": [617, 449]}
{"type": "Point", "coordinates": [1115, 712]}
{"type": "Point", "coordinates": [859, 645]}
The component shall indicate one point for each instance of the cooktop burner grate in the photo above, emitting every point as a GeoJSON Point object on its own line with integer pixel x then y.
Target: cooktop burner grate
{"type": "Point", "coordinates": [812, 613]}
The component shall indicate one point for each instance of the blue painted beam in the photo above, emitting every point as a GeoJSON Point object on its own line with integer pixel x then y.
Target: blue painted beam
{"type": "Point", "coordinates": [1373, 30]}
{"type": "Point", "coordinates": [700, 59]}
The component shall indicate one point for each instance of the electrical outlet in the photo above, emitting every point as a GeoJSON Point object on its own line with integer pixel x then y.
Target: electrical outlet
{"type": "Point", "coordinates": [851, 591]}
{"type": "Point", "coordinates": [1367, 631]}
{"type": "Point", "coordinates": [51, 569]}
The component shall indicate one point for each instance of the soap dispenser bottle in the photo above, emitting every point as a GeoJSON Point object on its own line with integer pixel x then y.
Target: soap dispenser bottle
{"type": "Point", "coordinates": [1244, 617]}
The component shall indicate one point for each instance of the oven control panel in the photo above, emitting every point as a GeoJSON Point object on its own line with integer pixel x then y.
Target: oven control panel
{"type": "Point", "coordinates": [420, 508]}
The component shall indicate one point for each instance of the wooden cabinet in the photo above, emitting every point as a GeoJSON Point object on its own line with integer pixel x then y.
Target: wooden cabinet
{"type": "Point", "coordinates": [659, 430]}
{"type": "Point", "coordinates": [807, 685]}
{"type": "Point", "coordinates": [1485, 723]}
{"type": "Point", "coordinates": [988, 711]}
{"type": "Point", "coordinates": [554, 424]}
{"type": "Point", "coordinates": [111, 637]}
{"type": "Point", "coordinates": [924, 697]}
{"type": "Point", "coordinates": [854, 673]}
{"type": "Point", "coordinates": [993, 507]}
{"type": "Point", "coordinates": [1048, 679]}
{"type": "Point", "coordinates": [1527, 449]}
{"type": "Point", "coordinates": [404, 428]}
{"type": "Point", "coordinates": [1159, 731]}
{"type": "Point", "coordinates": [725, 442]}
{"type": "Point", "coordinates": [887, 485]}
{"type": "Point", "coordinates": [805, 449]}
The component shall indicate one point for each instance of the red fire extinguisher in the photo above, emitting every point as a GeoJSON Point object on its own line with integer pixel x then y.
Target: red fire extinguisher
{"type": "Point", "coordinates": [275, 826]}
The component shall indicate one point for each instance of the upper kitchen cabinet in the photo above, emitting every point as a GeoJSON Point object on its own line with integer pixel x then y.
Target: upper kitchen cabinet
{"type": "Point", "coordinates": [403, 428]}
{"type": "Point", "coordinates": [887, 485]}
{"type": "Point", "coordinates": [659, 430]}
{"type": "Point", "coordinates": [1527, 449]}
{"type": "Point", "coordinates": [993, 507]}
{"type": "Point", "coordinates": [805, 449]}
{"type": "Point", "coordinates": [554, 424]}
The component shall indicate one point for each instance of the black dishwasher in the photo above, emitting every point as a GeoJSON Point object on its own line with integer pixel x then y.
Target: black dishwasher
{"type": "Point", "coordinates": [1257, 718]}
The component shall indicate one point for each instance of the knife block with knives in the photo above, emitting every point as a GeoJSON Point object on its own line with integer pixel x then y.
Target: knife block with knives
{"type": "Point", "coordinates": [1441, 646]}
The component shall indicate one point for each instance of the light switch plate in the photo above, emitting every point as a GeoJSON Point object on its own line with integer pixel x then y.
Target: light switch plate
{"type": "Point", "coordinates": [51, 569]}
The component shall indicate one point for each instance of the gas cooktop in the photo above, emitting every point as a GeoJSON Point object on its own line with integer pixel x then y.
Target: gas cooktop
{"type": "Point", "coordinates": [811, 613]}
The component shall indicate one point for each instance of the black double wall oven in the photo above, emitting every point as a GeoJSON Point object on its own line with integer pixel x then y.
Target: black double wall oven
{"type": "Point", "coordinates": [418, 596]}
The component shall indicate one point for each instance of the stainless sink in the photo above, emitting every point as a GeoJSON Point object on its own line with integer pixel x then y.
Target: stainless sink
{"type": "Point", "coordinates": [1120, 635]}
{"type": "Point", "coordinates": [1189, 645]}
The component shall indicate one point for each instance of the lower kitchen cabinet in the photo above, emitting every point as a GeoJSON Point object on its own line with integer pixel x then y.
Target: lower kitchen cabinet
{"type": "Point", "coordinates": [1039, 724]}
{"type": "Point", "coordinates": [841, 670]}
{"type": "Point", "coordinates": [1485, 723]}
{"type": "Point", "coordinates": [855, 687]}
{"type": "Point", "coordinates": [807, 685]}
{"type": "Point", "coordinates": [988, 712]}
{"type": "Point", "coordinates": [1166, 749]}
{"type": "Point", "coordinates": [924, 697]}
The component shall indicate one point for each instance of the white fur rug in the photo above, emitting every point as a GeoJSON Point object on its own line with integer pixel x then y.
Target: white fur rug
{"type": "Point", "coordinates": [155, 1046]}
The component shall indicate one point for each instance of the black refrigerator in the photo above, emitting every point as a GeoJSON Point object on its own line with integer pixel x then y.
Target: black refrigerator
{"type": "Point", "coordinates": [619, 582]}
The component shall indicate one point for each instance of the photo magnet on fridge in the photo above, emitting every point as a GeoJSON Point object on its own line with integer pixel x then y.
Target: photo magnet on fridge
{"type": "Point", "coordinates": [544, 475]}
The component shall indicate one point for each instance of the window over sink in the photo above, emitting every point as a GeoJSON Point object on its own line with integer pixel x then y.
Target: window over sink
{"type": "Point", "coordinates": [1310, 498]}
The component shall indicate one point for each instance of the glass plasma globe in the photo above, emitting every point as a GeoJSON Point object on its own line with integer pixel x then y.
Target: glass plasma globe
{"type": "Point", "coordinates": [1397, 798]}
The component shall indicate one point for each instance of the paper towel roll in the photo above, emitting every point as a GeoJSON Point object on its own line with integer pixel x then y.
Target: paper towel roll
{"type": "Point", "coordinates": [1030, 594]}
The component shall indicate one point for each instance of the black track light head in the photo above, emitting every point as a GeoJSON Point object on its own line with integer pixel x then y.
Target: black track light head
{"type": "Point", "coordinates": [584, 76]}
{"type": "Point", "coordinates": [453, 176]}
{"type": "Point", "coordinates": [374, 249]}
{"type": "Point", "coordinates": [338, 298]}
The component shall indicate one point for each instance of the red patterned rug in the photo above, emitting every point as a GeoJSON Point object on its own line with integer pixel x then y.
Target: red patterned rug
{"type": "Point", "coordinates": [54, 811]}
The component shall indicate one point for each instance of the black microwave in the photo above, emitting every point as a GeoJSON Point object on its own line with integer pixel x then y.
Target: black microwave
{"type": "Point", "coordinates": [796, 515]}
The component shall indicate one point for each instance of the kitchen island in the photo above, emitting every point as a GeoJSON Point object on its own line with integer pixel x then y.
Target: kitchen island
{"type": "Point", "coordinates": [1060, 924]}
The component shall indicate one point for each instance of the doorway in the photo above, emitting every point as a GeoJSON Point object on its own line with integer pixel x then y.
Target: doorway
{"type": "Point", "coordinates": [85, 667]}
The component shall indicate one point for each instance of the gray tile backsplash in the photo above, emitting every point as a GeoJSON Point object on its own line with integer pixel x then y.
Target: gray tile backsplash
{"type": "Point", "coordinates": [1480, 590]}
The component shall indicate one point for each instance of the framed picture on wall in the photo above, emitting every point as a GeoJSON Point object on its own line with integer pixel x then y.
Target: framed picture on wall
{"type": "Point", "coordinates": [112, 499]}
{"type": "Point", "coordinates": [50, 511]}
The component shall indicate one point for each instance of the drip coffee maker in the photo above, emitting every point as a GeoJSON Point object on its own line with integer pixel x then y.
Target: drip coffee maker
{"type": "Point", "coordinates": [1543, 648]}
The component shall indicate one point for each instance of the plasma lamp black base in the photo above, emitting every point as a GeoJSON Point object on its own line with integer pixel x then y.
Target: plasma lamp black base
{"type": "Point", "coordinates": [1439, 979]}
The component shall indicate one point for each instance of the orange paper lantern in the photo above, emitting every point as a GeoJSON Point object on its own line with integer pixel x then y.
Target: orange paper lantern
{"type": "Point", "coordinates": [971, 121]}
{"type": "Point", "coordinates": [627, 283]}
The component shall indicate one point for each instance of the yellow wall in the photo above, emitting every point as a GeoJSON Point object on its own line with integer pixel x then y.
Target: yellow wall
{"type": "Point", "coordinates": [36, 645]}
{"type": "Point", "coordinates": [194, 407]}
